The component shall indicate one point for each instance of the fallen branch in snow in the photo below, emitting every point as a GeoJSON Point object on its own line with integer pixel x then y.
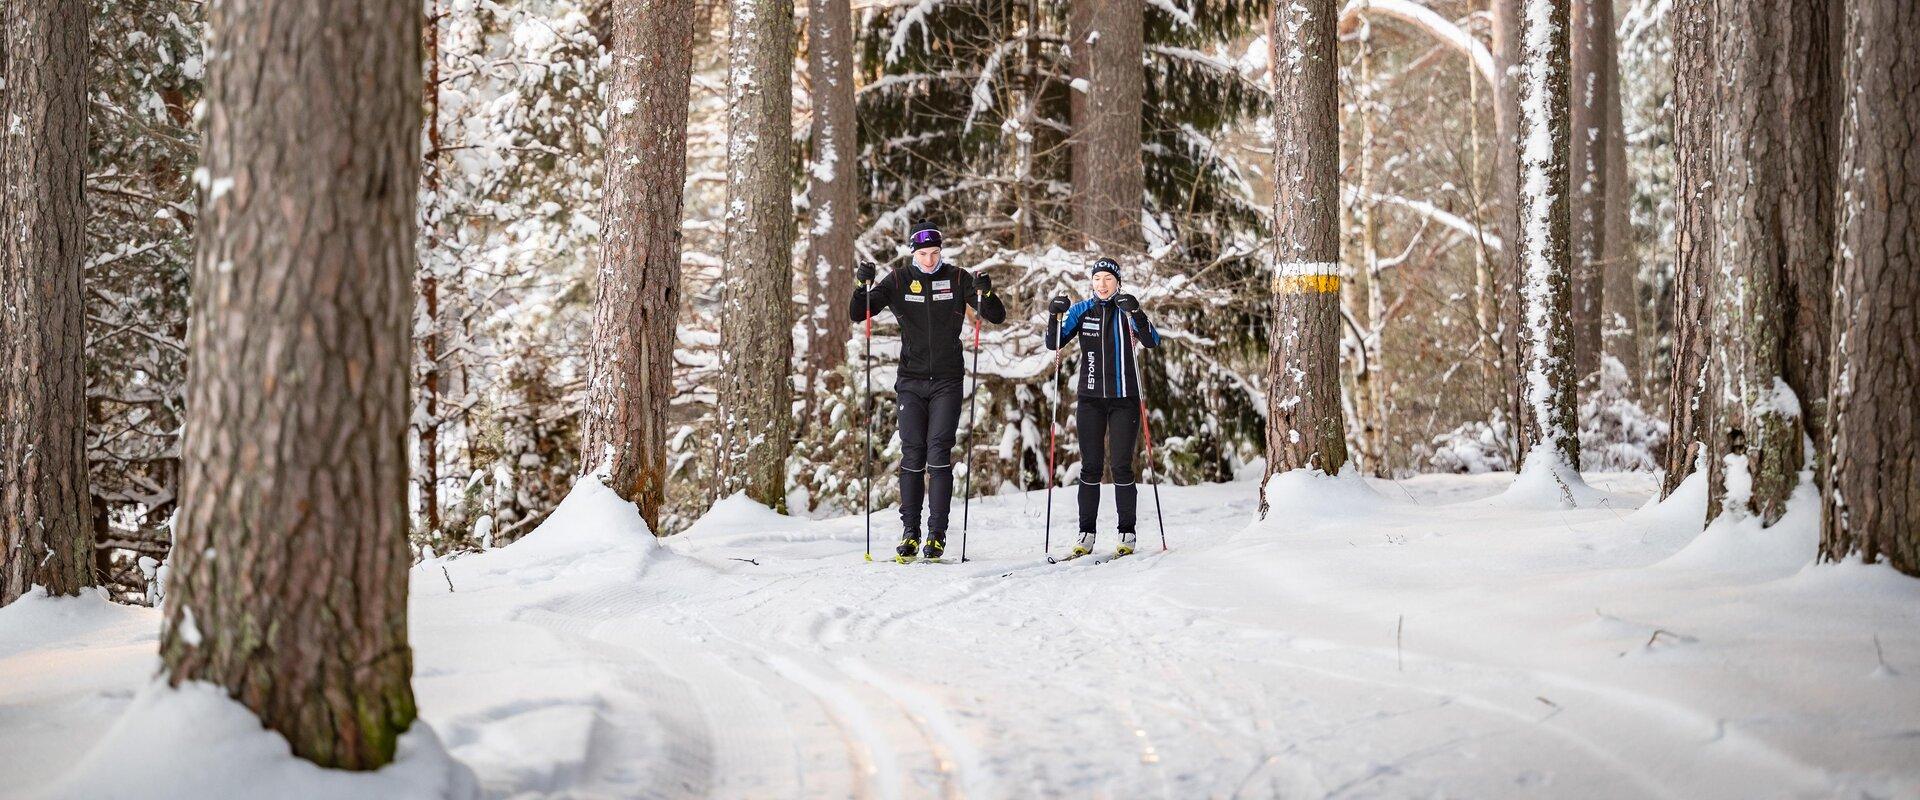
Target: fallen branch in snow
{"type": "Point", "coordinates": [449, 577]}
{"type": "Point", "coordinates": [755, 562]}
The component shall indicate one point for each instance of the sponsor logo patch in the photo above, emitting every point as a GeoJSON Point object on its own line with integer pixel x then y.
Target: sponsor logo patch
{"type": "Point", "coordinates": [913, 287]}
{"type": "Point", "coordinates": [943, 295]}
{"type": "Point", "coordinates": [916, 298]}
{"type": "Point", "coordinates": [938, 285]}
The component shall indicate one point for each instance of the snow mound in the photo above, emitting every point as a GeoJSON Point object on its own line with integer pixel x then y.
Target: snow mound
{"type": "Point", "coordinates": [592, 530]}
{"type": "Point", "coordinates": [1686, 506]}
{"type": "Point", "coordinates": [1737, 542]}
{"type": "Point", "coordinates": [38, 618]}
{"type": "Point", "coordinates": [739, 514]}
{"type": "Point", "coordinates": [195, 742]}
{"type": "Point", "coordinates": [1546, 482]}
{"type": "Point", "coordinates": [1311, 493]}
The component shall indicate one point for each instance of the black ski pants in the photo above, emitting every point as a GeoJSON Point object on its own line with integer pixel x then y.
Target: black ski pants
{"type": "Point", "coordinates": [1109, 430]}
{"type": "Point", "coordinates": [929, 417]}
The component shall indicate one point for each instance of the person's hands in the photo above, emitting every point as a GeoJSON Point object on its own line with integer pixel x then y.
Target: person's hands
{"type": "Point", "coordinates": [866, 272]}
{"type": "Point", "coordinates": [1126, 302]}
{"type": "Point", "coordinates": [982, 283]}
{"type": "Point", "coordinates": [1060, 304]}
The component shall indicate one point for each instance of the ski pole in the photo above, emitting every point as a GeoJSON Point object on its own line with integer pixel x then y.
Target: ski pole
{"type": "Point", "coordinates": [1146, 428]}
{"type": "Point", "coordinates": [966, 490]}
{"type": "Point", "coordinates": [1052, 428]}
{"type": "Point", "coordinates": [867, 505]}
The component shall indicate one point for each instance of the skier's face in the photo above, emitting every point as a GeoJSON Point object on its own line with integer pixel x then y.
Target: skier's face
{"type": "Point", "coordinates": [1104, 285]}
{"type": "Point", "coordinates": [927, 258]}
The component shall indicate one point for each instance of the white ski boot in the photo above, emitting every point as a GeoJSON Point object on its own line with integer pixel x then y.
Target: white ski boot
{"type": "Point", "coordinates": [1085, 545]}
{"type": "Point", "coordinates": [1126, 544]}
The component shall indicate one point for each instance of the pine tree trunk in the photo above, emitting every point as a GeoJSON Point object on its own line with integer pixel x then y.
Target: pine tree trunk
{"type": "Point", "coordinates": [1506, 176]}
{"type": "Point", "coordinates": [427, 422]}
{"type": "Point", "coordinates": [757, 310]}
{"type": "Point", "coordinates": [1591, 37]}
{"type": "Point", "coordinates": [1772, 217]}
{"type": "Point", "coordinates": [634, 313]}
{"type": "Point", "coordinates": [1304, 425]}
{"type": "Point", "coordinates": [1689, 404]}
{"type": "Point", "coordinates": [1872, 484]}
{"type": "Point", "coordinates": [832, 185]}
{"type": "Point", "coordinates": [295, 449]}
{"type": "Point", "coordinates": [1109, 182]}
{"type": "Point", "coordinates": [46, 534]}
{"type": "Point", "coordinates": [1546, 291]}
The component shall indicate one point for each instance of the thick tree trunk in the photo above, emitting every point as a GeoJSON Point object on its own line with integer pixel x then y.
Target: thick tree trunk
{"type": "Point", "coordinates": [831, 188]}
{"type": "Point", "coordinates": [1546, 291]}
{"type": "Point", "coordinates": [1591, 38]}
{"type": "Point", "coordinates": [1304, 425]}
{"type": "Point", "coordinates": [633, 321]}
{"type": "Point", "coordinates": [46, 534]}
{"type": "Point", "coordinates": [1872, 484]}
{"type": "Point", "coordinates": [296, 432]}
{"type": "Point", "coordinates": [1772, 219]}
{"type": "Point", "coordinates": [1109, 182]}
{"type": "Point", "coordinates": [757, 310]}
{"type": "Point", "coordinates": [1506, 176]}
{"type": "Point", "coordinates": [1689, 405]}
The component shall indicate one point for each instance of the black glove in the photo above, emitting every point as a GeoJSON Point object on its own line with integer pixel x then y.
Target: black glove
{"type": "Point", "coordinates": [866, 272]}
{"type": "Point", "coordinates": [1060, 304]}
{"type": "Point", "coordinates": [982, 284]}
{"type": "Point", "coordinates": [1126, 302]}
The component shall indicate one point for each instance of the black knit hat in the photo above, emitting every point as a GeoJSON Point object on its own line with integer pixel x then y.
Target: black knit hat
{"type": "Point", "coordinates": [1105, 265]}
{"type": "Point", "coordinates": [924, 235]}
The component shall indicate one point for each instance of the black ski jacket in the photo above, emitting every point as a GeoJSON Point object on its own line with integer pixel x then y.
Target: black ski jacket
{"type": "Point", "coordinates": [1105, 367]}
{"type": "Point", "coordinates": [931, 308]}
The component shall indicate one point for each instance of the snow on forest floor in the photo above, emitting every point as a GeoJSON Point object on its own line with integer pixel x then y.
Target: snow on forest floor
{"type": "Point", "coordinates": [1416, 638]}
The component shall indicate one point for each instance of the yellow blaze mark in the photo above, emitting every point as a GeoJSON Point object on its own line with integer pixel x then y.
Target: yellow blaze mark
{"type": "Point", "coordinates": [1305, 284]}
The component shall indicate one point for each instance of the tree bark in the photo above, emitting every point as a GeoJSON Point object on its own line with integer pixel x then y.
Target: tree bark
{"type": "Point", "coordinates": [1506, 176]}
{"type": "Point", "coordinates": [1552, 423]}
{"type": "Point", "coordinates": [46, 533]}
{"type": "Point", "coordinates": [1872, 484]}
{"type": "Point", "coordinates": [1591, 37]}
{"type": "Point", "coordinates": [1695, 83]}
{"type": "Point", "coordinates": [757, 310]}
{"type": "Point", "coordinates": [831, 189]}
{"type": "Point", "coordinates": [1109, 180]}
{"type": "Point", "coordinates": [631, 375]}
{"type": "Point", "coordinates": [1772, 220]}
{"type": "Point", "coordinates": [1363, 296]}
{"type": "Point", "coordinates": [289, 580]}
{"type": "Point", "coordinates": [1304, 425]}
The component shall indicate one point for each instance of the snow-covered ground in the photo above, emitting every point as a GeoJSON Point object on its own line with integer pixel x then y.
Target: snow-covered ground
{"type": "Point", "coordinates": [1414, 638]}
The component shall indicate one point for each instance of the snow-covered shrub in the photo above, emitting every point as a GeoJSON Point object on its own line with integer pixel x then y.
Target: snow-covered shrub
{"type": "Point", "coordinates": [1616, 433]}
{"type": "Point", "coordinates": [1474, 446]}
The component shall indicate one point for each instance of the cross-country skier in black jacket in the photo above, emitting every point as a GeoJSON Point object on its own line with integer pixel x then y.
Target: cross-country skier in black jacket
{"type": "Point", "coordinates": [930, 298]}
{"type": "Point", "coordinates": [1106, 387]}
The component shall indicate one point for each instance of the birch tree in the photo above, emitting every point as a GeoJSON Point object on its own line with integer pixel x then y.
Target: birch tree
{"type": "Point", "coordinates": [631, 381]}
{"type": "Point", "coordinates": [1304, 425]}
{"type": "Point", "coordinates": [757, 308]}
{"type": "Point", "coordinates": [46, 535]}
{"type": "Point", "coordinates": [295, 450]}
{"type": "Point", "coordinates": [1872, 481]}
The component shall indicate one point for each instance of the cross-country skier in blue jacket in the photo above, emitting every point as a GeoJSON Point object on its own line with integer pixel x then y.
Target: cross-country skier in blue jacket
{"type": "Point", "coordinates": [1106, 387]}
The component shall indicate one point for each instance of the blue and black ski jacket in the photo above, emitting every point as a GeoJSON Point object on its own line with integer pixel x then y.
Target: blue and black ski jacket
{"type": "Point", "coordinates": [1105, 367]}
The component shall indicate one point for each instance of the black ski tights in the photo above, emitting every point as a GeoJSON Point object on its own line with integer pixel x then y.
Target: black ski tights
{"type": "Point", "coordinates": [929, 417]}
{"type": "Point", "coordinates": [1109, 429]}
